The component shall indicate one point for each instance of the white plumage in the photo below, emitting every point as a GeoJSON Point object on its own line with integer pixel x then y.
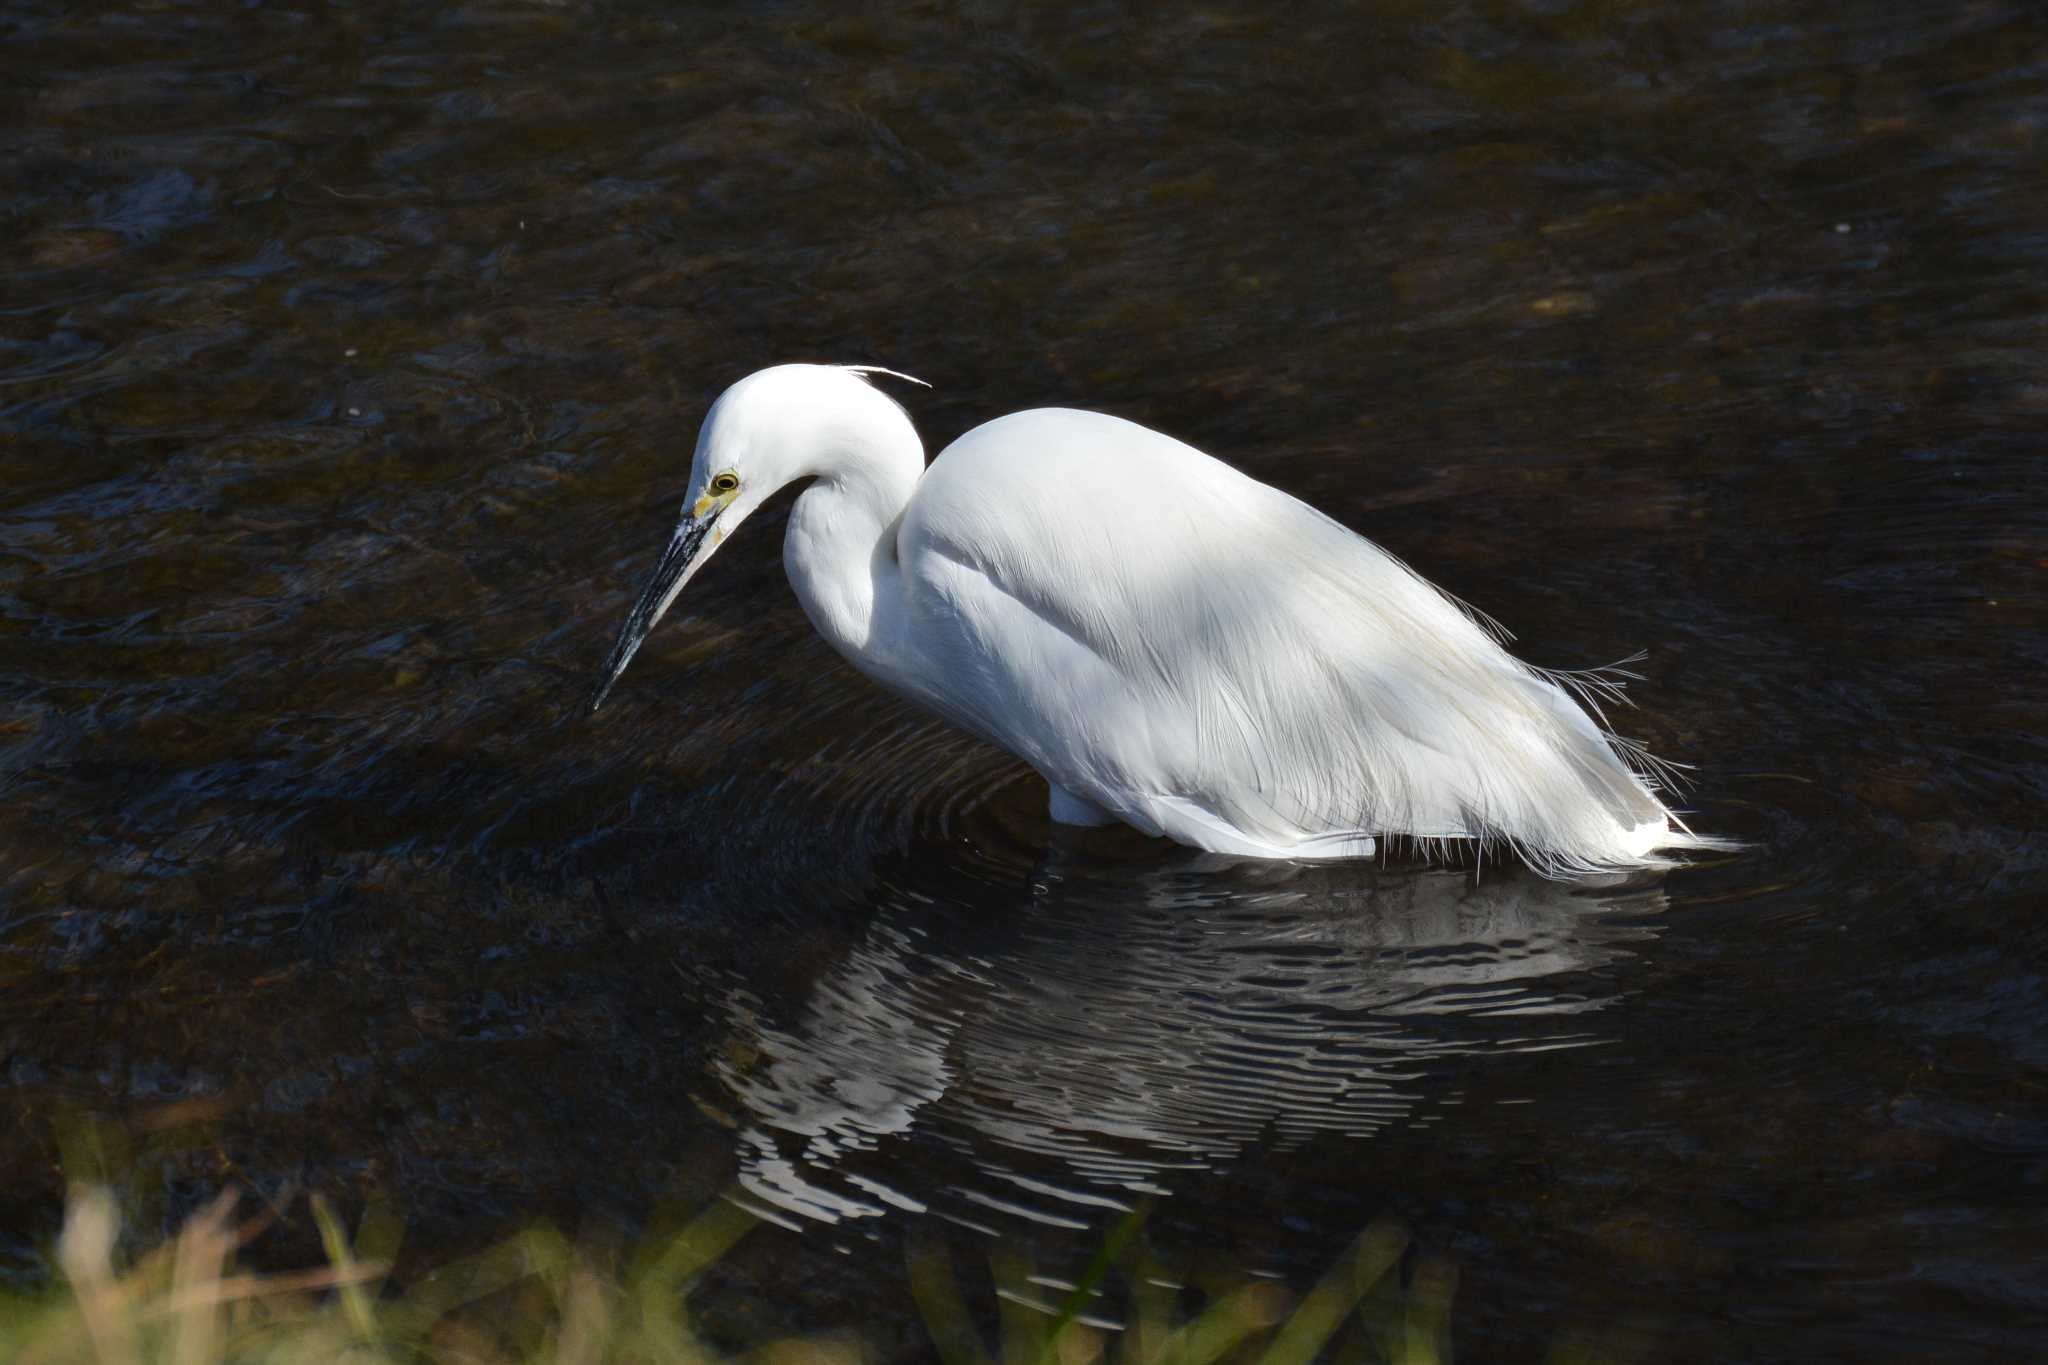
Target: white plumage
{"type": "Point", "coordinates": [1169, 642]}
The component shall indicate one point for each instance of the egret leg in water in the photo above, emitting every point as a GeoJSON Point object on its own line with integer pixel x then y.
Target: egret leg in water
{"type": "Point", "coordinates": [1169, 642]}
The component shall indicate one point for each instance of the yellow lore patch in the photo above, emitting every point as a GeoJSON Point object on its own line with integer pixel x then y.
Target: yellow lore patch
{"type": "Point", "coordinates": [724, 487]}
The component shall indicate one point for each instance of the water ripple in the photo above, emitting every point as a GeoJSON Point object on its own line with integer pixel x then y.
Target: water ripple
{"type": "Point", "coordinates": [1116, 1023]}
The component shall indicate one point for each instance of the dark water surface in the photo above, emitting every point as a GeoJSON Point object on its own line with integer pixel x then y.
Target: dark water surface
{"type": "Point", "coordinates": [350, 361]}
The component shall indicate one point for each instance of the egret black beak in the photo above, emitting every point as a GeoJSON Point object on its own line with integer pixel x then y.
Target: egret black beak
{"type": "Point", "coordinates": [662, 586]}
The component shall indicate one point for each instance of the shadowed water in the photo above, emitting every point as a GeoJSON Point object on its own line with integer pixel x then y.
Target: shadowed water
{"type": "Point", "coordinates": [350, 360]}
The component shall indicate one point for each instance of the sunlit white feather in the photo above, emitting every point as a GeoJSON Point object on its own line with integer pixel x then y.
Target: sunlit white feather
{"type": "Point", "coordinates": [1169, 640]}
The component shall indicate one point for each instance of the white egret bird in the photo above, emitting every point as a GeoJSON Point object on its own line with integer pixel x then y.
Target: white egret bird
{"type": "Point", "coordinates": [1169, 642]}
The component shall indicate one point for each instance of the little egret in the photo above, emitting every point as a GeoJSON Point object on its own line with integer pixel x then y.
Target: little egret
{"type": "Point", "coordinates": [1169, 642]}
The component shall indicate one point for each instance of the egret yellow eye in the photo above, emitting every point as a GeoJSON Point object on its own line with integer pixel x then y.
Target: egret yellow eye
{"type": "Point", "coordinates": [725, 483]}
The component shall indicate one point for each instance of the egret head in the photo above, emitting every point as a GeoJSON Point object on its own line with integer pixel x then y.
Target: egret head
{"type": "Point", "coordinates": [771, 429]}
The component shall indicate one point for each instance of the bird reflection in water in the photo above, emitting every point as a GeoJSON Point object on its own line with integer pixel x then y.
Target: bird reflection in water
{"type": "Point", "coordinates": [1057, 1060]}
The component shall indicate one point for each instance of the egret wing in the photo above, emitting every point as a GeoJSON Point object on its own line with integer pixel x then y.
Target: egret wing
{"type": "Point", "coordinates": [1161, 632]}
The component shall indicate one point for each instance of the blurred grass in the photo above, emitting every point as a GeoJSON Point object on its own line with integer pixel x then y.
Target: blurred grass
{"type": "Point", "coordinates": [537, 1299]}
{"type": "Point", "coordinates": [533, 1298]}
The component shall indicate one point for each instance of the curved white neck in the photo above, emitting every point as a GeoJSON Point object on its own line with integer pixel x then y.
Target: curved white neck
{"type": "Point", "coordinates": [840, 554]}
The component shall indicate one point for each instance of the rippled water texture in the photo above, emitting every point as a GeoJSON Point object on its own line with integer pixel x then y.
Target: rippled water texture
{"type": "Point", "coordinates": [350, 360]}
